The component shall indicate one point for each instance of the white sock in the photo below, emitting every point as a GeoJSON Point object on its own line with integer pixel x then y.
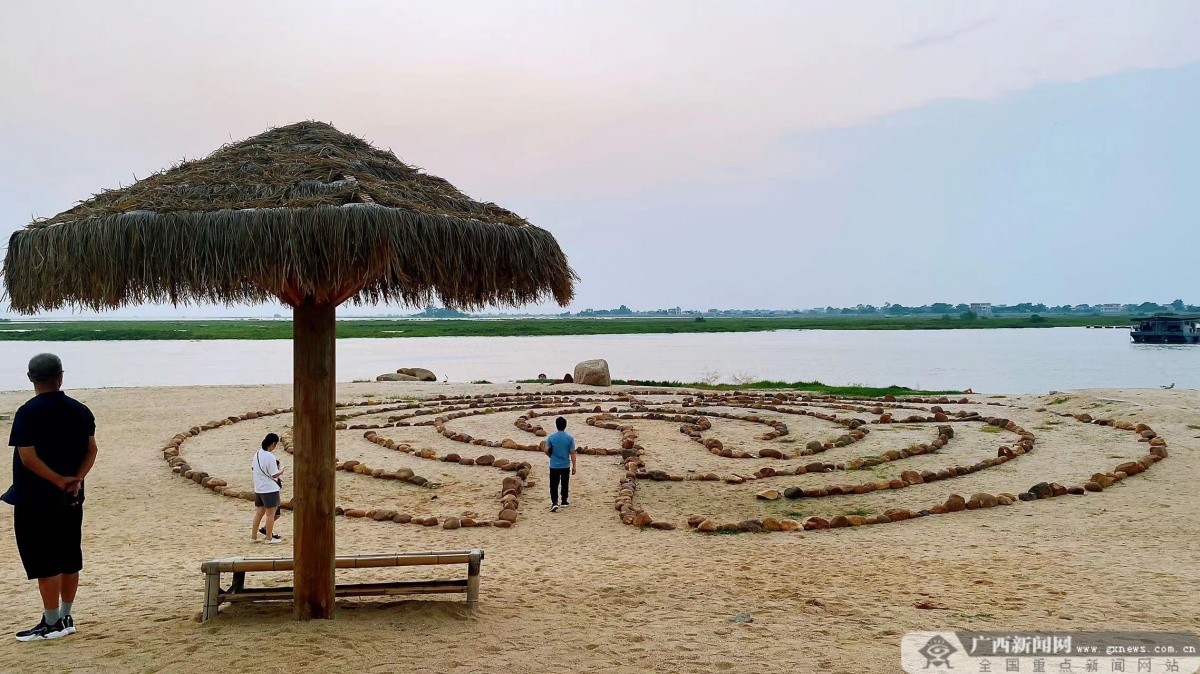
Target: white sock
{"type": "Point", "coordinates": [65, 609]}
{"type": "Point", "coordinates": [50, 616]}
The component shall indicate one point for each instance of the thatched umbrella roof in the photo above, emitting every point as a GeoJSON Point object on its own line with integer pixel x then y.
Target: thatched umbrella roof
{"type": "Point", "coordinates": [301, 211]}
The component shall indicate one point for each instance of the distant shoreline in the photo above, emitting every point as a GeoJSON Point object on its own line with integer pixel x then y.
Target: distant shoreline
{"type": "Point", "coordinates": [218, 329]}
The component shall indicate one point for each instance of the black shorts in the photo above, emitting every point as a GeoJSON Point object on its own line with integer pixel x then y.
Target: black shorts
{"type": "Point", "coordinates": [49, 539]}
{"type": "Point", "coordinates": [267, 500]}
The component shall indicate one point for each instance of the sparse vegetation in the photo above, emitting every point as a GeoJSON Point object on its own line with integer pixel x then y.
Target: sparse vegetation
{"type": "Point", "coordinates": [991, 429]}
{"type": "Point", "coordinates": [862, 512]}
{"type": "Point", "coordinates": [1059, 401]}
{"type": "Point", "coordinates": [60, 331]}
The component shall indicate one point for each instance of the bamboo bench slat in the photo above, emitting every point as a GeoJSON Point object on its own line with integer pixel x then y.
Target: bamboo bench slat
{"type": "Point", "coordinates": [355, 590]}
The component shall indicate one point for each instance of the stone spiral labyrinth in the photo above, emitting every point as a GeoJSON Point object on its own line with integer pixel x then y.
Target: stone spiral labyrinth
{"type": "Point", "coordinates": [719, 462]}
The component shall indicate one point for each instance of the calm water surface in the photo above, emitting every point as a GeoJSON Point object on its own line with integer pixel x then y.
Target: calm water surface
{"type": "Point", "coordinates": [1008, 361]}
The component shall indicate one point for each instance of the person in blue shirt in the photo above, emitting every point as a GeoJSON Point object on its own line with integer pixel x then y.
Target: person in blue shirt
{"type": "Point", "coordinates": [560, 447]}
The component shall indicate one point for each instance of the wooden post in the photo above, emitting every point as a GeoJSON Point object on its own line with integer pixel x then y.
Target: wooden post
{"type": "Point", "coordinates": [313, 442]}
{"type": "Point", "coordinates": [212, 593]}
{"type": "Point", "coordinates": [476, 557]}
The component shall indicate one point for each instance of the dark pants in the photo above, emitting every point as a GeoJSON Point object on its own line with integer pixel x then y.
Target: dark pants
{"type": "Point", "coordinates": [49, 539]}
{"type": "Point", "coordinates": [559, 476]}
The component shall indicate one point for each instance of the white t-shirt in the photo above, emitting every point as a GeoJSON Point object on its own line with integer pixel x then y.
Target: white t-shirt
{"type": "Point", "coordinates": [264, 466]}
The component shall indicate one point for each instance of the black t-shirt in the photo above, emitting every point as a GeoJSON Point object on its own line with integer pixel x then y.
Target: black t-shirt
{"type": "Point", "coordinates": [57, 427]}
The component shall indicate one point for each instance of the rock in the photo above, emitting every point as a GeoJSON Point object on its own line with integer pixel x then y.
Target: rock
{"type": "Point", "coordinates": [1129, 468]}
{"type": "Point", "coordinates": [507, 515]}
{"type": "Point", "coordinates": [1027, 496]}
{"type": "Point", "coordinates": [451, 523]}
{"type": "Point", "coordinates": [502, 524]}
{"type": "Point", "coordinates": [911, 477]}
{"type": "Point", "coordinates": [707, 526]}
{"type": "Point", "coordinates": [396, 377]}
{"type": "Point", "coordinates": [788, 525]}
{"type": "Point", "coordinates": [662, 526]}
{"type": "Point", "coordinates": [768, 495]}
{"type": "Point", "coordinates": [750, 526]}
{"type": "Point", "coordinates": [1042, 490]}
{"type": "Point", "coordinates": [793, 492]}
{"type": "Point", "coordinates": [384, 514]}
{"type": "Point", "coordinates": [402, 518]}
{"type": "Point", "coordinates": [982, 500]}
{"type": "Point", "coordinates": [770, 453]}
{"type": "Point", "coordinates": [742, 618]}
{"type": "Point", "coordinates": [771, 524]}
{"type": "Point", "coordinates": [485, 460]}
{"type": "Point", "coordinates": [695, 520]}
{"type": "Point", "coordinates": [593, 373]}
{"type": "Point", "coordinates": [418, 373]}
{"type": "Point", "coordinates": [816, 523]}
{"type": "Point", "coordinates": [642, 519]}
{"type": "Point", "coordinates": [956, 503]}
{"type": "Point", "coordinates": [734, 479]}
{"type": "Point", "coordinates": [839, 522]}
{"type": "Point", "coordinates": [511, 483]}
{"type": "Point", "coordinates": [1076, 490]}
{"type": "Point", "coordinates": [1093, 486]}
{"type": "Point", "coordinates": [1004, 500]}
{"type": "Point", "coordinates": [1057, 489]}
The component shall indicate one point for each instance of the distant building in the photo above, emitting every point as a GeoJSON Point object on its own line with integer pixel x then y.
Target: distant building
{"type": "Point", "coordinates": [982, 309]}
{"type": "Point", "coordinates": [674, 312]}
{"type": "Point", "coordinates": [1111, 309]}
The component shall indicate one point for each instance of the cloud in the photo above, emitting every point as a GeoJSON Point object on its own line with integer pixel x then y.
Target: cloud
{"type": "Point", "coordinates": [941, 38]}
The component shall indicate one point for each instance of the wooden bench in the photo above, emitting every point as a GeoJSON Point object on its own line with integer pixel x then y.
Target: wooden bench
{"type": "Point", "coordinates": [214, 596]}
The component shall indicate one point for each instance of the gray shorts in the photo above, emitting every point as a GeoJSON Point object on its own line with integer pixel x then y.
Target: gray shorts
{"type": "Point", "coordinates": [267, 500]}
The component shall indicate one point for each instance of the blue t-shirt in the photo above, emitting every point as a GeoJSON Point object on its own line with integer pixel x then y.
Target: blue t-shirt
{"type": "Point", "coordinates": [562, 446]}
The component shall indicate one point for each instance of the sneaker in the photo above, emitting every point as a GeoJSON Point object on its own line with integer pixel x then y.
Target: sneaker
{"type": "Point", "coordinates": [44, 631]}
{"type": "Point", "coordinates": [274, 541]}
{"type": "Point", "coordinates": [263, 531]}
{"type": "Point", "coordinates": [68, 622]}
{"type": "Point", "coordinates": [554, 508]}
{"type": "Point", "coordinates": [564, 505]}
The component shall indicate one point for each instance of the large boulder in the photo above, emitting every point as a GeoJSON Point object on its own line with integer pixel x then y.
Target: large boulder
{"type": "Point", "coordinates": [396, 377]}
{"type": "Point", "coordinates": [420, 373]}
{"type": "Point", "coordinates": [593, 373]}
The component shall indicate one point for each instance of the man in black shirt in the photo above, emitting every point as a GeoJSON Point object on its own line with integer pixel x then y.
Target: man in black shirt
{"type": "Point", "coordinates": [54, 437]}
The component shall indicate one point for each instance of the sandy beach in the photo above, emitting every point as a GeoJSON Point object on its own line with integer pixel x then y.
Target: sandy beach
{"type": "Point", "coordinates": [579, 591]}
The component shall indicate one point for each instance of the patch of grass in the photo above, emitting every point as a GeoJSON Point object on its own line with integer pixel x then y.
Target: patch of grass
{"type": "Point", "coordinates": [1059, 401]}
{"type": "Point", "coordinates": [1043, 428]}
{"type": "Point", "coordinates": [370, 395]}
{"type": "Point", "coordinates": [787, 440]}
{"type": "Point", "coordinates": [862, 512]}
{"type": "Point", "coordinates": [796, 514]}
{"type": "Point", "coordinates": [721, 532]}
{"type": "Point", "coordinates": [481, 381]}
{"type": "Point", "coordinates": [997, 396]}
{"type": "Point", "coordinates": [1194, 427]}
{"type": "Point", "coordinates": [991, 429]}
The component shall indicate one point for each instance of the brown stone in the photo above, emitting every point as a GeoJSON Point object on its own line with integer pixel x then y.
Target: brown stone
{"type": "Point", "coordinates": [1076, 490]}
{"type": "Point", "coordinates": [707, 526]}
{"type": "Point", "coordinates": [662, 526]}
{"type": "Point", "coordinates": [770, 454]}
{"type": "Point", "coordinates": [816, 523]}
{"type": "Point", "coordinates": [911, 477]}
{"type": "Point", "coordinates": [982, 500]}
{"type": "Point", "coordinates": [939, 509]}
{"type": "Point", "coordinates": [642, 519]}
{"type": "Point", "coordinates": [1093, 486]}
{"type": "Point", "coordinates": [451, 523]}
{"type": "Point", "coordinates": [695, 520]}
{"type": "Point", "coordinates": [508, 515]}
{"type": "Point", "coordinates": [956, 503]}
{"type": "Point", "coordinates": [768, 495]}
{"type": "Point", "coordinates": [501, 524]}
{"type": "Point", "coordinates": [771, 524]}
{"type": "Point", "coordinates": [839, 522]}
{"type": "Point", "coordinates": [788, 525]}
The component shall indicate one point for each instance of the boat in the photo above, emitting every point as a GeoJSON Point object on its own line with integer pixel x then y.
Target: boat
{"type": "Point", "coordinates": [1166, 329]}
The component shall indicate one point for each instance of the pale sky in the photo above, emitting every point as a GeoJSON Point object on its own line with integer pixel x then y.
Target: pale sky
{"type": "Point", "coordinates": [697, 154]}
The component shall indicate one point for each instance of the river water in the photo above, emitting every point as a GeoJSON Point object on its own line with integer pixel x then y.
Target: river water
{"type": "Point", "coordinates": [992, 360]}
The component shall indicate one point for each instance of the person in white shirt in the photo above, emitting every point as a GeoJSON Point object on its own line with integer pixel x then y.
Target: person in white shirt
{"type": "Point", "coordinates": [266, 488]}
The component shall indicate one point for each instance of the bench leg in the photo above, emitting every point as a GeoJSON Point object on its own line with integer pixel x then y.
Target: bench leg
{"type": "Point", "coordinates": [239, 582]}
{"type": "Point", "coordinates": [473, 581]}
{"type": "Point", "coordinates": [212, 594]}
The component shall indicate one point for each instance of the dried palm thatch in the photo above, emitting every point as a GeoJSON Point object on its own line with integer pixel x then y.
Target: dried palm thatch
{"type": "Point", "coordinates": [301, 212]}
